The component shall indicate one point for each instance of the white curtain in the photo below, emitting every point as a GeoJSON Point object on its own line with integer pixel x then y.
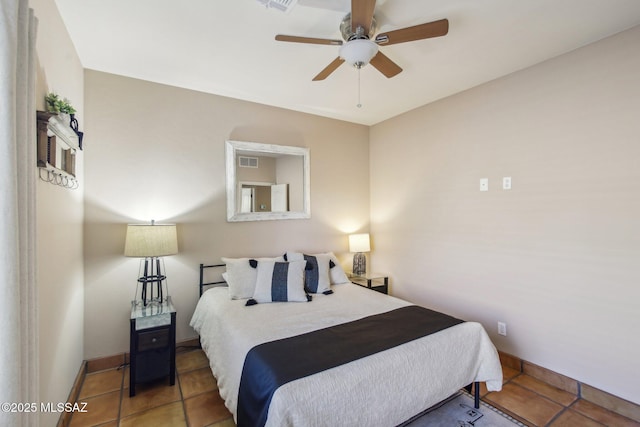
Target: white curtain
{"type": "Point", "coordinates": [18, 315]}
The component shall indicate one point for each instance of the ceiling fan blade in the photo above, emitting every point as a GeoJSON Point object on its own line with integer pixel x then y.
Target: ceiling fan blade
{"type": "Point", "coordinates": [417, 32]}
{"type": "Point", "coordinates": [329, 69]}
{"type": "Point", "coordinates": [386, 66]}
{"type": "Point", "coordinates": [362, 14]}
{"type": "Point", "coordinates": [308, 40]}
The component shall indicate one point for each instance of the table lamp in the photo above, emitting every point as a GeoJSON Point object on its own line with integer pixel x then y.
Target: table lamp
{"type": "Point", "coordinates": [359, 243]}
{"type": "Point", "coordinates": [151, 242]}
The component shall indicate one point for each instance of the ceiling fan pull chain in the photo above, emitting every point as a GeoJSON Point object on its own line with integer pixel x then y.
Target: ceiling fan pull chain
{"type": "Point", "coordinates": [359, 105]}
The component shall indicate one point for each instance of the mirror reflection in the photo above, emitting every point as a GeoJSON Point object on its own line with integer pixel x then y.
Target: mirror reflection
{"type": "Point", "coordinates": [266, 181]}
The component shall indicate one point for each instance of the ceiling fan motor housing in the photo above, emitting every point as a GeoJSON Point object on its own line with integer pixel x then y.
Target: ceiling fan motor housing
{"type": "Point", "coordinates": [347, 32]}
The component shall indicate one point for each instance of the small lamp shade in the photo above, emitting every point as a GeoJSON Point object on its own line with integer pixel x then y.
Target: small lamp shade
{"type": "Point", "coordinates": [150, 241]}
{"type": "Point", "coordinates": [146, 240]}
{"type": "Point", "coordinates": [359, 243]}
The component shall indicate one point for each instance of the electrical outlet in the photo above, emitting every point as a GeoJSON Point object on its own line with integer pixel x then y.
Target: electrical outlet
{"type": "Point", "coordinates": [502, 329]}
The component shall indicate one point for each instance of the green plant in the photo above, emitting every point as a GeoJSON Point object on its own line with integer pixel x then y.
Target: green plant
{"type": "Point", "coordinates": [66, 107]}
{"type": "Point", "coordinates": [52, 100]}
{"type": "Point", "coordinates": [57, 105]}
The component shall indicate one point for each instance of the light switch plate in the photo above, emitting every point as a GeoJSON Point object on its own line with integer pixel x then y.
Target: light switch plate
{"type": "Point", "coordinates": [484, 184]}
{"type": "Point", "coordinates": [506, 183]}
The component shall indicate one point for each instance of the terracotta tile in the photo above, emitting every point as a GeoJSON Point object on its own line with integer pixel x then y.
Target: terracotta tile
{"type": "Point", "coordinates": [101, 382]}
{"type": "Point", "coordinates": [100, 409]}
{"type": "Point", "coordinates": [226, 423]}
{"type": "Point", "coordinates": [205, 409]}
{"type": "Point", "coordinates": [149, 396]}
{"type": "Point", "coordinates": [125, 380]}
{"type": "Point", "coordinates": [611, 402]}
{"type": "Point", "coordinates": [508, 374]}
{"type": "Point", "coordinates": [196, 382]}
{"type": "Point", "coordinates": [602, 415]}
{"type": "Point", "coordinates": [509, 361]}
{"type": "Point", "coordinates": [552, 393]}
{"type": "Point", "coordinates": [562, 382]}
{"type": "Point", "coordinates": [170, 415]}
{"type": "Point", "coordinates": [191, 360]}
{"type": "Point", "coordinates": [570, 418]}
{"type": "Point", "coordinates": [531, 407]}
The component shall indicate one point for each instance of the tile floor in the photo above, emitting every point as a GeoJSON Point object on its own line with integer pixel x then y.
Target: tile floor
{"type": "Point", "coordinates": [538, 404]}
{"type": "Point", "coordinates": [194, 401]}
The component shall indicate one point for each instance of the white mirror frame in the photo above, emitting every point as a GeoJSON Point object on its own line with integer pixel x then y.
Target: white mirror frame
{"type": "Point", "coordinates": [231, 149]}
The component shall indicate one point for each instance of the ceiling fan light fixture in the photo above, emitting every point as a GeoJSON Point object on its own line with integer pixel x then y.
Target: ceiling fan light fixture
{"type": "Point", "coordinates": [358, 52]}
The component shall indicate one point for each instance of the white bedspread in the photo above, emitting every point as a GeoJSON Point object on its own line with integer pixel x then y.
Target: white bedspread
{"type": "Point", "coordinates": [383, 389]}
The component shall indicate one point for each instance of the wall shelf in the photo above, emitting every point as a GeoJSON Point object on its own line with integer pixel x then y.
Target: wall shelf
{"type": "Point", "coordinates": [58, 144]}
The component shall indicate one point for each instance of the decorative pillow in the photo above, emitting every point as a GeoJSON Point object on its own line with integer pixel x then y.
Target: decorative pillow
{"type": "Point", "coordinates": [279, 282]}
{"type": "Point", "coordinates": [241, 277]}
{"type": "Point", "coordinates": [336, 273]}
{"type": "Point", "coordinates": [316, 276]}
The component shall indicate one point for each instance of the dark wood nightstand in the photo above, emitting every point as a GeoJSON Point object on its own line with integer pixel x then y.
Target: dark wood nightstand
{"type": "Point", "coordinates": [152, 343]}
{"type": "Point", "coordinates": [371, 281]}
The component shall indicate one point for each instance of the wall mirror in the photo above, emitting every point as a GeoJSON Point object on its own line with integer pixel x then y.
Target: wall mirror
{"type": "Point", "coordinates": [267, 182]}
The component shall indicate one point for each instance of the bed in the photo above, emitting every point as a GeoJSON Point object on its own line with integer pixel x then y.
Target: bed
{"type": "Point", "coordinates": [386, 388]}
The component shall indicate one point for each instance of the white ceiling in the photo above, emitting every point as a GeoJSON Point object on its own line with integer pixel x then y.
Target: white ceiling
{"type": "Point", "coordinates": [227, 47]}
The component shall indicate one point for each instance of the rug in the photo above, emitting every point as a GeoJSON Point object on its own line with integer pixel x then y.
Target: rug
{"type": "Point", "coordinates": [458, 411]}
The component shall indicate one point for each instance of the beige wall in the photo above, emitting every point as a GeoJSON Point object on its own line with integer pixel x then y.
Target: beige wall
{"type": "Point", "coordinates": [59, 225]}
{"type": "Point", "coordinates": [556, 257]}
{"type": "Point", "coordinates": [157, 152]}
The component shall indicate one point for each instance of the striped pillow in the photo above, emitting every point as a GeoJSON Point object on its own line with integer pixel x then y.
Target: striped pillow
{"type": "Point", "coordinates": [241, 277]}
{"type": "Point", "coordinates": [279, 282]}
{"type": "Point", "coordinates": [316, 276]}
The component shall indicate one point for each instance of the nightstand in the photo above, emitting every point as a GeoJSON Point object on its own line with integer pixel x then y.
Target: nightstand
{"type": "Point", "coordinates": [152, 343]}
{"type": "Point", "coordinates": [371, 281]}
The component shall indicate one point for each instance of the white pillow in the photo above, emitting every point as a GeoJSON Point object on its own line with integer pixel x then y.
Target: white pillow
{"type": "Point", "coordinates": [280, 281]}
{"type": "Point", "coordinates": [241, 277]}
{"type": "Point", "coordinates": [316, 275]}
{"type": "Point", "coordinates": [336, 273]}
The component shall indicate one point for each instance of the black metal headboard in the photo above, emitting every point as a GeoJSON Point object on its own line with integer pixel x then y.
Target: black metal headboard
{"type": "Point", "coordinates": [216, 283]}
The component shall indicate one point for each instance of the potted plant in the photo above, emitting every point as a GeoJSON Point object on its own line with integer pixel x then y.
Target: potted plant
{"type": "Point", "coordinates": [65, 110]}
{"type": "Point", "coordinates": [57, 105]}
{"type": "Point", "coordinates": [53, 102]}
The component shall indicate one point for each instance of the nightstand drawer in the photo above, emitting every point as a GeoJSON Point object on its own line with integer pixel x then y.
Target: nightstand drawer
{"type": "Point", "coordinates": [153, 339]}
{"type": "Point", "coordinates": [152, 343]}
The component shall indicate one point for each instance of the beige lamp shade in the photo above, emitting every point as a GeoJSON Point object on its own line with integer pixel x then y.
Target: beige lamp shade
{"type": "Point", "coordinates": [359, 243]}
{"type": "Point", "coordinates": [147, 240]}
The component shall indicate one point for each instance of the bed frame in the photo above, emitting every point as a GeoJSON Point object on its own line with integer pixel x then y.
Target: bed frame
{"type": "Point", "coordinates": [214, 284]}
{"type": "Point", "coordinates": [475, 387]}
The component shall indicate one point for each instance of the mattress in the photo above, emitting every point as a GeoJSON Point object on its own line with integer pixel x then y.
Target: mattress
{"type": "Point", "coordinates": [384, 389]}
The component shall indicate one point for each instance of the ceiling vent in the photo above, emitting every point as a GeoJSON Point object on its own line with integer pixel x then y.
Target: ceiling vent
{"type": "Point", "coordinates": [248, 162]}
{"type": "Point", "coordinates": [281, 5]}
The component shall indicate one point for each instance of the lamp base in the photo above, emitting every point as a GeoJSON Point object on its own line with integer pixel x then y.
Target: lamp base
{"type": "Point", "coordinates": [150, 279]}
{"type": "Point", "coordinates": [147, 294]}
{"type": "Point", "coordinates": [359, 264]}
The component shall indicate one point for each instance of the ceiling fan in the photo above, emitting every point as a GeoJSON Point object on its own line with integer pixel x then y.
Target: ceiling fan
{"type": "Point", "coordinates": [358, 49]}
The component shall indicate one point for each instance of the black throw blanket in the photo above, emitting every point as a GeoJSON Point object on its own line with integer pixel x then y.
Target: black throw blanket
{"type": "Point", "coordinates": [272, 364]}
